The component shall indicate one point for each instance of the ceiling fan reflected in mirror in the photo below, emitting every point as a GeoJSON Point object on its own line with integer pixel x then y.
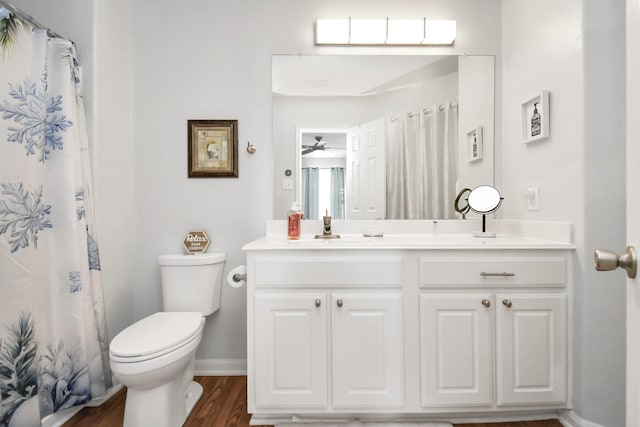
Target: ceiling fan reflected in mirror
{"type": "Point", "coordinates": [320, 144]}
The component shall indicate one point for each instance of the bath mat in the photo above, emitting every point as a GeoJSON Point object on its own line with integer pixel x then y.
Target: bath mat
{"type": "Point", "coordinates": [369, 424]}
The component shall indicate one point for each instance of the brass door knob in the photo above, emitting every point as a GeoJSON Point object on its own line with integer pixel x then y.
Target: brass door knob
{"type": "Point", "coordinates": [339, 303]}
{"type": "Point", "coordinates": [486, 303]}
{"type": "Point", "coordinates": [507, 303]}
{"type": "Point", "coordinates": [318, 303]}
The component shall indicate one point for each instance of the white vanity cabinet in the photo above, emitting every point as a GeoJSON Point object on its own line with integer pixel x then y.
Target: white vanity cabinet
{"type": "Point", "coordinates": [291, 350]}
{"type": "Point", "coordinates": [493, 319]}
{"type": "Point", "coordinates": [327, 332]}
{"type": "Point", "coordinates": [456, 349]}
{"type": "Point", "coordinates": [367, 350]}
{"type": "Point", "coordinates": [406, 331]}
{"type": "Point", "coordinates": [531, 348]}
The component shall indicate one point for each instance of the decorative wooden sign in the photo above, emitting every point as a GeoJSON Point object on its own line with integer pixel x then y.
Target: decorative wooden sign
{"type": "Point", "coordinates": [196, 242]}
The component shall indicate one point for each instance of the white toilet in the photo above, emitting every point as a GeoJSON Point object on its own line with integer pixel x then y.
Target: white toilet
{"type": "Point", "coordinates": [155, 357]}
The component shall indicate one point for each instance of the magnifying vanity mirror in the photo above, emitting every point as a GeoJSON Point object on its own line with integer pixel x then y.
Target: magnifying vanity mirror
{"type": "Point", "coordinates": [381, 136]}
{"type": "Point", "coordinates": [484, 200]}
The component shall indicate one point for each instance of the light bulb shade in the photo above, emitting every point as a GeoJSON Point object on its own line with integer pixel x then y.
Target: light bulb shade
{"type": "Point", "coordinates": [409, 32]}
{"type": "Point", "coordinates": [439, 32]}
{"type": "Point", "coordinates": [368, 31]}
{"type": "Point", "coordinates": [405, 31]}
{"type": "Point", "coordinates": [332, 31]}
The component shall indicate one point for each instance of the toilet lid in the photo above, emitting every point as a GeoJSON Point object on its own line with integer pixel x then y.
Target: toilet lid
{"type": "Point", "coordinates": [156, 333]}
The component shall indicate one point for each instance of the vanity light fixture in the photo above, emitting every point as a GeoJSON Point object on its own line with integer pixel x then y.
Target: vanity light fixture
{"type": "Point", "coordinates": [390, 32]}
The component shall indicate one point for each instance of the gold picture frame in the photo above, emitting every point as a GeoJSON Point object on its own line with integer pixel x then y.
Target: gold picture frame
{"type": "Point", "coordinates": [212, 148]}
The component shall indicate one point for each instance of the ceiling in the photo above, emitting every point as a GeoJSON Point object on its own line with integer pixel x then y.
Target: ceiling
{"type": "Point", "coordinates": [354, 75]}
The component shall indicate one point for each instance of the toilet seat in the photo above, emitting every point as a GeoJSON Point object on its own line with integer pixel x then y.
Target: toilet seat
{"type": "Point", "coordinates": [156, 335]}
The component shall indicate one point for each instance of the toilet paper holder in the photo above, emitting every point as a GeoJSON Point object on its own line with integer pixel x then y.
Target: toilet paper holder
{"type": "Point", "coordinates": [239, 277]}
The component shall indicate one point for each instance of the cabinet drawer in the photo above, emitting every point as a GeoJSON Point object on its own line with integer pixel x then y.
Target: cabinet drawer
{"type": "Point", "coordinates": [329, 270]}
{"type": "Point", "coordinates": [482, 271]}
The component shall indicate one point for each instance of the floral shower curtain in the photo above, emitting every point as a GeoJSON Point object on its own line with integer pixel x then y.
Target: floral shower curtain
{"type": "Point", "coordinates": [53, 340]}
{"type": "Point", "coordinates": [422, 167]}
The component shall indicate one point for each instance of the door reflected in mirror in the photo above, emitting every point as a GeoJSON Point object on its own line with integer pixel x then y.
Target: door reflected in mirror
{"type": "Point", "coordinates": [377, 136]}
{"type": "Point", "coordinates": [323, 164]}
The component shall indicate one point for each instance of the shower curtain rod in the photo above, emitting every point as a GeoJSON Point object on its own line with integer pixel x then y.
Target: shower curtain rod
{"type": "Point", "coordinates": [24, 17]}
{"type": "Point", "coordinates": [441, 107]}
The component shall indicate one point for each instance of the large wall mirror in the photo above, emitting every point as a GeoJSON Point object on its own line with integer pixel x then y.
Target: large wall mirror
{"type": "Point", "coordinates": [381, 136]}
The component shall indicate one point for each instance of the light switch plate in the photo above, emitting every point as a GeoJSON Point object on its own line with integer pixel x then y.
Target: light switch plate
{"type": "Point", "coordinates": [287, 184]}
{"type": "Point", "coordinates": [533, 200]}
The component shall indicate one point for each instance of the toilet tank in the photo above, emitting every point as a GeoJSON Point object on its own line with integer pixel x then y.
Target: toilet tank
{"type": "Point", "coordinates": [191, 282]}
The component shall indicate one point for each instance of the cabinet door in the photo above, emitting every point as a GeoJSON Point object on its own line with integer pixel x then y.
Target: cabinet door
{"type": "Point", "coordinates": [456, 350]}
{"type": "Point", "coordinates": [531, 349]}
{"type": "Point", "coordinates": [290, 350]}
{"type": "Point", "coordinates": [367, 350]}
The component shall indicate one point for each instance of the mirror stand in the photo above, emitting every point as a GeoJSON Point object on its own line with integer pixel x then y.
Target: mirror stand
{"type": "Point", "coordinates": [484, 200]}
{"type": "Point", "coordinates": [484, 232]}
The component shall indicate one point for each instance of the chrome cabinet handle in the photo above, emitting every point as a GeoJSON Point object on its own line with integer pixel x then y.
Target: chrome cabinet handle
{"type": "Point", "coordinates": [318, 303]}
{"type": "Point", "coordinates": [503, 274]}
{"type": "Point", "coordinates": [486, 303]}
{"type": "Point", "coordinates": [607, 260]}
{"type": "Point", "coordinates": [339, 303]}
{"type": "Point", "coordinates": [507, 303]}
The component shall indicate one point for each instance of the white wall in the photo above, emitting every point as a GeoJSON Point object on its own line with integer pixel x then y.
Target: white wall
{"type": "Point", "coordinates": [574, 49]}
{"type": "Point", "coordinates": [213, 60]}
{"type": "Point", "coordinates": [476, 100]}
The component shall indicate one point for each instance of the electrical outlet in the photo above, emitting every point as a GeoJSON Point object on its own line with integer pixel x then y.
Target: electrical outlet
{"type": "Point", "coordinates": [533, 198]}
{"type": "Point", "coordinates": [287, 184]}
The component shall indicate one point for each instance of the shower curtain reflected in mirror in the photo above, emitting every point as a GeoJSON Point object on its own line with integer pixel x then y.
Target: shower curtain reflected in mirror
{"type": "Point", "coordinates": [53, 339]}
{"type": "Point", "coordinates": [422, 165]}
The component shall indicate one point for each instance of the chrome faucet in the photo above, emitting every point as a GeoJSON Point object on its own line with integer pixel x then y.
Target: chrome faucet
{"type": "Point", "coordinates": [326, 228]}
{"type": "Point", "coordinates": [326, 224]}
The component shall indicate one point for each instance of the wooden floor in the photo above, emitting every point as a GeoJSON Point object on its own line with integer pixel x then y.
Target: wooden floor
{"type": "Point", "coordinates": [224, 404]}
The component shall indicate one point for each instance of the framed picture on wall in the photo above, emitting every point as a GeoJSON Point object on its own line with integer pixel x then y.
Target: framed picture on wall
{"type": "Point", "coordinates": [212, 148]}
{"type": "Point", "coordinates": [474, 144]}
{"type": "Point", "coordinates": [535, 118]}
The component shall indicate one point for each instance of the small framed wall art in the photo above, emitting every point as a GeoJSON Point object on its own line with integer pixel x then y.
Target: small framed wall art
{"type": "Point", "coordinates": [474, 144]}
{"type": "Point", "coordinates": [535, 118]}
{"type": "Point", "coordinates": [212, 148]}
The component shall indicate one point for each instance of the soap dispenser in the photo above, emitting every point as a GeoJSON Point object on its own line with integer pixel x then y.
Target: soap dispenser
{"type": "Point", "coordinates": [294, 217]}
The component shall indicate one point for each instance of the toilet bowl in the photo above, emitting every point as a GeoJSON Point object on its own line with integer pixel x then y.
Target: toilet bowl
{"type": "Point", "coordinates": [155, 357]}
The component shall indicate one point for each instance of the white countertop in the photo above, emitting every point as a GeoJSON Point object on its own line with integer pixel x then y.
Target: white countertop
{"type": "Point", "coordinates": [419, 234]}
{"type": "Point", "coordinates": [403, 241]}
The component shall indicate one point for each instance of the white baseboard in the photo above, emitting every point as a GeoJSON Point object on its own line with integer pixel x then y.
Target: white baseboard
{"type": "Point", "coordinates": [221, 367]}
{"type": "Point", "coordinates": [571, 419]}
